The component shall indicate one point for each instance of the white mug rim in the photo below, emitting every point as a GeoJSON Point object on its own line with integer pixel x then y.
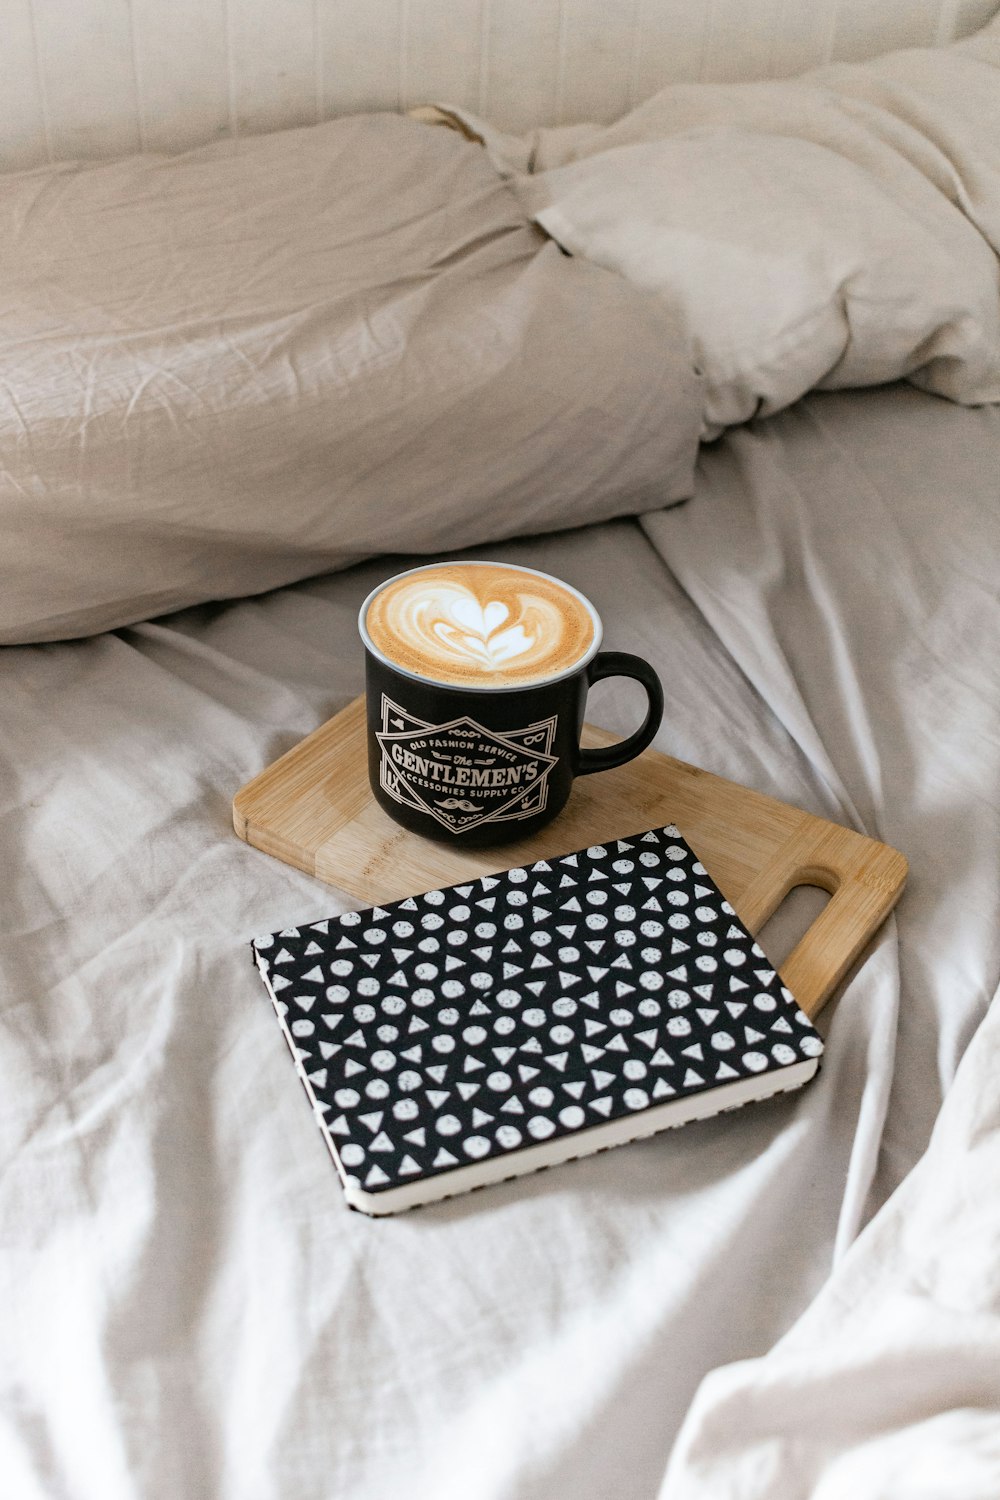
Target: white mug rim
{"type": "Point", "coordinates": [471, 687]}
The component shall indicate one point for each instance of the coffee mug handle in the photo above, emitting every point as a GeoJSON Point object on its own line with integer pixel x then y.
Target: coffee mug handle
{"type": "Point", "coordinates": [623, 664]}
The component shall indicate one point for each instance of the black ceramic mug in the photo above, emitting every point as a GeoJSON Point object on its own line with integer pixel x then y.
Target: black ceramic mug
{"type": "Point", "coordinates": [489, 756]}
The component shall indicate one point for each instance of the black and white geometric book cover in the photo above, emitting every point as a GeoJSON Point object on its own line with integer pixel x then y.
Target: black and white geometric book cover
{"type": "Point", "coordinates": [478, 1032]}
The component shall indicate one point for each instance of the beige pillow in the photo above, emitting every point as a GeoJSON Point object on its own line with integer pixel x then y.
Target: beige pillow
{"type": "Point", "coordinates": [839, 229]}
{"type": "Point", "coordinates": [227, 370]}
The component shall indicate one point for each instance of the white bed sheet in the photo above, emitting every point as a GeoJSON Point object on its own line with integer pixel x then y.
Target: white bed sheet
{"type": "Point", "coordinates": [190, 1310]}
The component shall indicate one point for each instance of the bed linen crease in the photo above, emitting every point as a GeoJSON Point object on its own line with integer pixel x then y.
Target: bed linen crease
{"type": "Point", "coordinates": [191, 1310]}
{"type": "Point", "coordinates": [835, 230]}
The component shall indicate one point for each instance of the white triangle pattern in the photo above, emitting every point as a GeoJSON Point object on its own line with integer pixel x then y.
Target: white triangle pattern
{"type": "Point", "coordinates": [525, 1037]}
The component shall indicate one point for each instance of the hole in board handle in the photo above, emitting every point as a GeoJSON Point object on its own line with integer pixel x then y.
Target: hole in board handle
{"type": "Point", "coordinates": [793, 918]}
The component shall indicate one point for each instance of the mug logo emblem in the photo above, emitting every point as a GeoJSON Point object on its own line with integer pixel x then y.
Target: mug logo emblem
{"type": "Point", "coordinates": [462, 773]}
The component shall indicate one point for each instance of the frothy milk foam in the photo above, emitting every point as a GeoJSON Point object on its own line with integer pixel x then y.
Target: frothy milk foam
{"type": "Point", "coordinates": [480, 625]}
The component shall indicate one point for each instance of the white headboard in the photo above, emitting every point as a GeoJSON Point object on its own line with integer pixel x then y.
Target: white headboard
{"type": "Point", "coordinates": [82, 78]}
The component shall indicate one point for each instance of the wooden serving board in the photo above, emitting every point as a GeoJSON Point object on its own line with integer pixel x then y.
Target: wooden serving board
{"type": "Point", "coordinates": [314, 809]}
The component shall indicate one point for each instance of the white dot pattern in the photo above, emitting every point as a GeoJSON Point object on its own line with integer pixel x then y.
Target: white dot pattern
{"type": "Point", "coordinates": [532, 1004]}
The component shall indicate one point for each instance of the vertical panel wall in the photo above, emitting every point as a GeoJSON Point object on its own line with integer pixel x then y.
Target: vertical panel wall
{"type": "Point", "coordinates": [86, 78]}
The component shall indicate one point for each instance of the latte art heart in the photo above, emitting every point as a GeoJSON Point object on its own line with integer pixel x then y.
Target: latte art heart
{"type": "Point", "coordinates": [466, 622]}
{"type": "Point", "coordinates": [476, 632]}
{"type": "Point", "coordinates": [481, 620]}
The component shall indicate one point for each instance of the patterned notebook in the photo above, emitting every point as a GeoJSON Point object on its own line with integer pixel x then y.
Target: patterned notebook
{"type": "Point", "coordinates": [476, 1033]}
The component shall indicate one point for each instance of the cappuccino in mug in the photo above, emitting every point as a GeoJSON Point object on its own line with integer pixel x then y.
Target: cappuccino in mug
{"type": "Point", "coordinates": [476, 680]}
{"type": "Point", "coordinates": [481, 625]}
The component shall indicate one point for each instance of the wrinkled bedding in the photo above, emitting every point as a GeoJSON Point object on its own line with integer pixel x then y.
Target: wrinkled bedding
{"type": "Point", "coordinates": [227, 370]}
{"type": "Point", "coordinates": [833, 230]}
{"type": "Point", "coordinates": [190, 1310]}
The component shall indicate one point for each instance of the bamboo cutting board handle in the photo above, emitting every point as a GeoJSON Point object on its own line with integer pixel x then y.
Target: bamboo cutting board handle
{"type": "Point", "coordinates": [864, 879]}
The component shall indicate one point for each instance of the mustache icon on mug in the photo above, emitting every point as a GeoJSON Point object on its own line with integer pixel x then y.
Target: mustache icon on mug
{"type": "Point", "coordinates": [476, 677]}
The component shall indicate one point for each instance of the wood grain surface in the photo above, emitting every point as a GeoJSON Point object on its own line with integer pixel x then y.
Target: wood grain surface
{"type": "Point", "coordinates": [314, 809]}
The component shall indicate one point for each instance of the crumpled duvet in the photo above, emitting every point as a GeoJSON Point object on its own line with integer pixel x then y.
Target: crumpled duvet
{"type": "Point", "coordinates": [864, 608]}
{"type": "Point", "coordinates": [834, 230]}
{"type": "Point", "coordinates": [888, 1387]}
{"type": "Point", "coordinates": [273, 357]}
{"type": "Point", "coordinates": [752, 1307]}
